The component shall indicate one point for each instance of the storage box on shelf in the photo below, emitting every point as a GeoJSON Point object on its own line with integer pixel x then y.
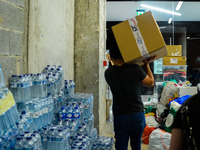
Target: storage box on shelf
{"type": "Point", "coordinates": [176, 72]}
{"type": "Point", "coordinates": [174, 50]}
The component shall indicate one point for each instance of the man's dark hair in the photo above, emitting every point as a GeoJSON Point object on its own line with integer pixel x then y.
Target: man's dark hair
{"type": "Point", "coordinates": [115, 52]}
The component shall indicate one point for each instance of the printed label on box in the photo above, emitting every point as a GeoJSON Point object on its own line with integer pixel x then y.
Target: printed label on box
{"type": "Point", "coordinates": [173, 61]}
{"type": "Point", "coordinates": [139, 39]}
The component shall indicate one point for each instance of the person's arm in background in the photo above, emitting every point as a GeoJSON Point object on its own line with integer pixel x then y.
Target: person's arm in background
{"type": "Point", "coordinates": [149, 79]}
{"type": "Point", "coordinates": [176, 139]}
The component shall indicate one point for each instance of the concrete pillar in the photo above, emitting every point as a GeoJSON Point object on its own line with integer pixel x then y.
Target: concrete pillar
{"type": "Point", "coordinates": [13, 37]}
{"type": "Point", "coordinates": [51, 35]}
{"type": "Point", "coordinates": [90, 27]}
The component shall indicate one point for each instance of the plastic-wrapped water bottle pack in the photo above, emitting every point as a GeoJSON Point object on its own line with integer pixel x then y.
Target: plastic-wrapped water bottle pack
{"type": "Point", "coordinates": [55, 137]}
{"type": "Point", "coordinates": [28, 140]}
{"type": "Point", "coordinates": [86, 100]}
{"type": "Point", "coordinates": [102, 143]}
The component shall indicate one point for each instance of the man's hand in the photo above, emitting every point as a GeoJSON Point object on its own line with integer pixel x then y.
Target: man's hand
{"type": "Point", "coordinates": [147, 61]}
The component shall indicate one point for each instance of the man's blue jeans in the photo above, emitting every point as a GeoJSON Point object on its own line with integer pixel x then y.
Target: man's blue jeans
{"type": "Point", "coordinates": [129, 126]}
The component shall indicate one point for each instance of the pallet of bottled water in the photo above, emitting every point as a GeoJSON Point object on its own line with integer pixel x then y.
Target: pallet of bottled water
{"type": "Point", "coordinates": [8, 119]}
{"type": "Point", "coordinates": [28, 141]}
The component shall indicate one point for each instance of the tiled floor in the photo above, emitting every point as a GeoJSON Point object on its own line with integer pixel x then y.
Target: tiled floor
{"type": "Point", "coordinates": [110, 133]}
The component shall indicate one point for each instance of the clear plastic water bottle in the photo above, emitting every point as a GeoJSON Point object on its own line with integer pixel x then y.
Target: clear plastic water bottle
{"type": "Point", "coordinates": [28, 120]}
{"type": "Point", "coordinates": [67, 91]}
{"type": "Point", "coordinates": [59, 139]}
{"type": "Point", "coordinates": [34, 90]}
{"type": "Point", "coordinates": [44, 85]}
{"type": "Point", "coordinates": [44, 137]}
{"type": "Point", "coordinates": [18, 144]}
{"type": "Point", "coordinates": [61, 74]}
{"type": "Point", "coordinates": [76, 114]}
{"type": "Point", "coordinates": [72, 87]}
{"type": "Point", "coordinates": [13, 87]}
{"type": "Point", "coordinates": [21, 88]}
{"type": "Point", "coordinates": [38, 137]}
{"type": "Point", "coordinates": [51, 141]}
{"type": "Point", "coordinates": [2, 83]}
{"type": "Point", "coordinates": [62, 113]}
{"type": "Point", "coordinates": [73, 128]}
{"type": "Point", "coordinates": [38, 86]}
{"type": "Point", "coordinates": [29, 144]}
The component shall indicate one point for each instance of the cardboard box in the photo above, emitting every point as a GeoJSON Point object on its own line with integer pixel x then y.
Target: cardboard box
{"type": "Point", "coordinates": [174, 60]}
{"type": "Point", "coordinates": [174, 50]}
{"type": "Point", "coordinates": [182, 91]}
{"type": "Point", "coordinates": [139, 38]}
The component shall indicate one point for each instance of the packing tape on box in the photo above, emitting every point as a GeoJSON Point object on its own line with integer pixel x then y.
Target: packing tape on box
{"type": "Point", "coordinates": [6, 103]}
{"type": "Point", "coordinates": [138, 37]}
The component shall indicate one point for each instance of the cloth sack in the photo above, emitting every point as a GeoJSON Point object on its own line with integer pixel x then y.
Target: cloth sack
{"type": "Point", "coordinates": [159, 140]}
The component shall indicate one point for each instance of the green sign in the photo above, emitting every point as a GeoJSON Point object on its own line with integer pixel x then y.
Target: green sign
{"type": "Point", "coordinates": [140, 12]}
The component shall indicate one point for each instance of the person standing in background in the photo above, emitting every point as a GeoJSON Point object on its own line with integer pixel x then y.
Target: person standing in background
{"type": "Point", "coordinates": [125, 82]}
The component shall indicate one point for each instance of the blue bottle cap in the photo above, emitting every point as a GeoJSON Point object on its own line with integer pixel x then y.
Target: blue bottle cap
{"type": "Point", "coordinates": [14, 75]}
{"type": "Point", "coordinates": [48, 65]}
{"type": "Point", "coordinates": [58, 68]}
{"type": "Point", "coordinates": [28, 138]}
{"type": "Point", "coordinates": [23, 112]}
{"type": "Point", "coordinates": [47, 77]}
{"type": "Point", "coordinates": [19, 138]}
{"type": "Point", "coordinates": [38, 74]}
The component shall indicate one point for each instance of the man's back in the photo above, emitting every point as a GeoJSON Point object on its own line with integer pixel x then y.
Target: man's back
{"type": "Point", "coordinates": [125, 84]}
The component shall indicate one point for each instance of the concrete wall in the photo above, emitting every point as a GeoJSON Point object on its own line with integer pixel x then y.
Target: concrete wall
{"type": "Point", "coordinates": [13, 37]}
{"type": "Point", "coordinates": [51, 35]}
{"type": "Point", "coordinates": [89, 53]}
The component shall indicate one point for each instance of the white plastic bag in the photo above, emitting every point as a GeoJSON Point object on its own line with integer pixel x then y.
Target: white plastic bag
{"type": "Point", "coordinates": [168, 92]}
{"type": "Point", "coordinates": [160, 108]}
{"type": "Point", "coordinates": [159, 140]}
{"type": "Point", "coordinates": [150, 121]}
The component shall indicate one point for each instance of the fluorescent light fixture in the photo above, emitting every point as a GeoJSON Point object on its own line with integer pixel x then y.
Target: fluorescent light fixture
{"type": "Point", "coordinates": [179, 5]}
{"type": "Point", "coordinates": [160, 9]}
{"type": "Point", "coordinates": [170, 20]}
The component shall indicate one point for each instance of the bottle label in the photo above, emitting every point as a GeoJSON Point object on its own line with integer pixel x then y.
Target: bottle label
{"type": "Point", "coordinates": [21, 85]}
{"type": "Point", "coordinates": [44, 139]}
{"type": "Point", "coordinates": [76, 115]}
{"type": "Point", "coordinates": [69, 116]}
{"type": "Point", "coordinates": [59, 139]}
{"type": "Point", "coordinates": [34, 115]}
{"type": "Point", "coordinates": [13, 85]}
{"type": "Point", "coordinates": [38, 82]}
{"type": "Point", "coordinates": [50, 139]}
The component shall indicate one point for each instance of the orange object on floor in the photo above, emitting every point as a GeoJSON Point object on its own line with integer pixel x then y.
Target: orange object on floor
{"type": "Point", "coordinates": [146, 133]}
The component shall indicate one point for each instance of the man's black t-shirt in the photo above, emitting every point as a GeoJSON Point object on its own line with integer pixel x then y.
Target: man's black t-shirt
{"type": "Point", "coordinates": [125, 84]}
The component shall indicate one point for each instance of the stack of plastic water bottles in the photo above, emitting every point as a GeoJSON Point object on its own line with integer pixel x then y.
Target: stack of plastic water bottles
{"type": "Point", "coordinates": [55, 137]}
{"type": "Point", "coordinates": [8, 116]}
{"type": "Point", "coordinates": [28, 141]}
{"type": "Point", "coordinates": [40, 94]}
{"type": "Point", "coordinates": [102, 143]}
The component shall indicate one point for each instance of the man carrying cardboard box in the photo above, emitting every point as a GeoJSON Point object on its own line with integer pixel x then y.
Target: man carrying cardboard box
{"type": "Point", "coordinates": [125, 83]}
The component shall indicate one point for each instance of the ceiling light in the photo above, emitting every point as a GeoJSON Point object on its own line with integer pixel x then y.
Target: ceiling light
{"type": "Point", "coordinates": [160, 9]}
{"type": "Point", "coordinates": [170, 20]}
{"type": "Point", "coordinates": [179, 5]}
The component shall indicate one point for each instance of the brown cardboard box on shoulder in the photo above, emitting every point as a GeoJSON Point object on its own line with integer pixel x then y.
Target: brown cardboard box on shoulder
{"type": "Point", "coordinates": [139, 38]}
